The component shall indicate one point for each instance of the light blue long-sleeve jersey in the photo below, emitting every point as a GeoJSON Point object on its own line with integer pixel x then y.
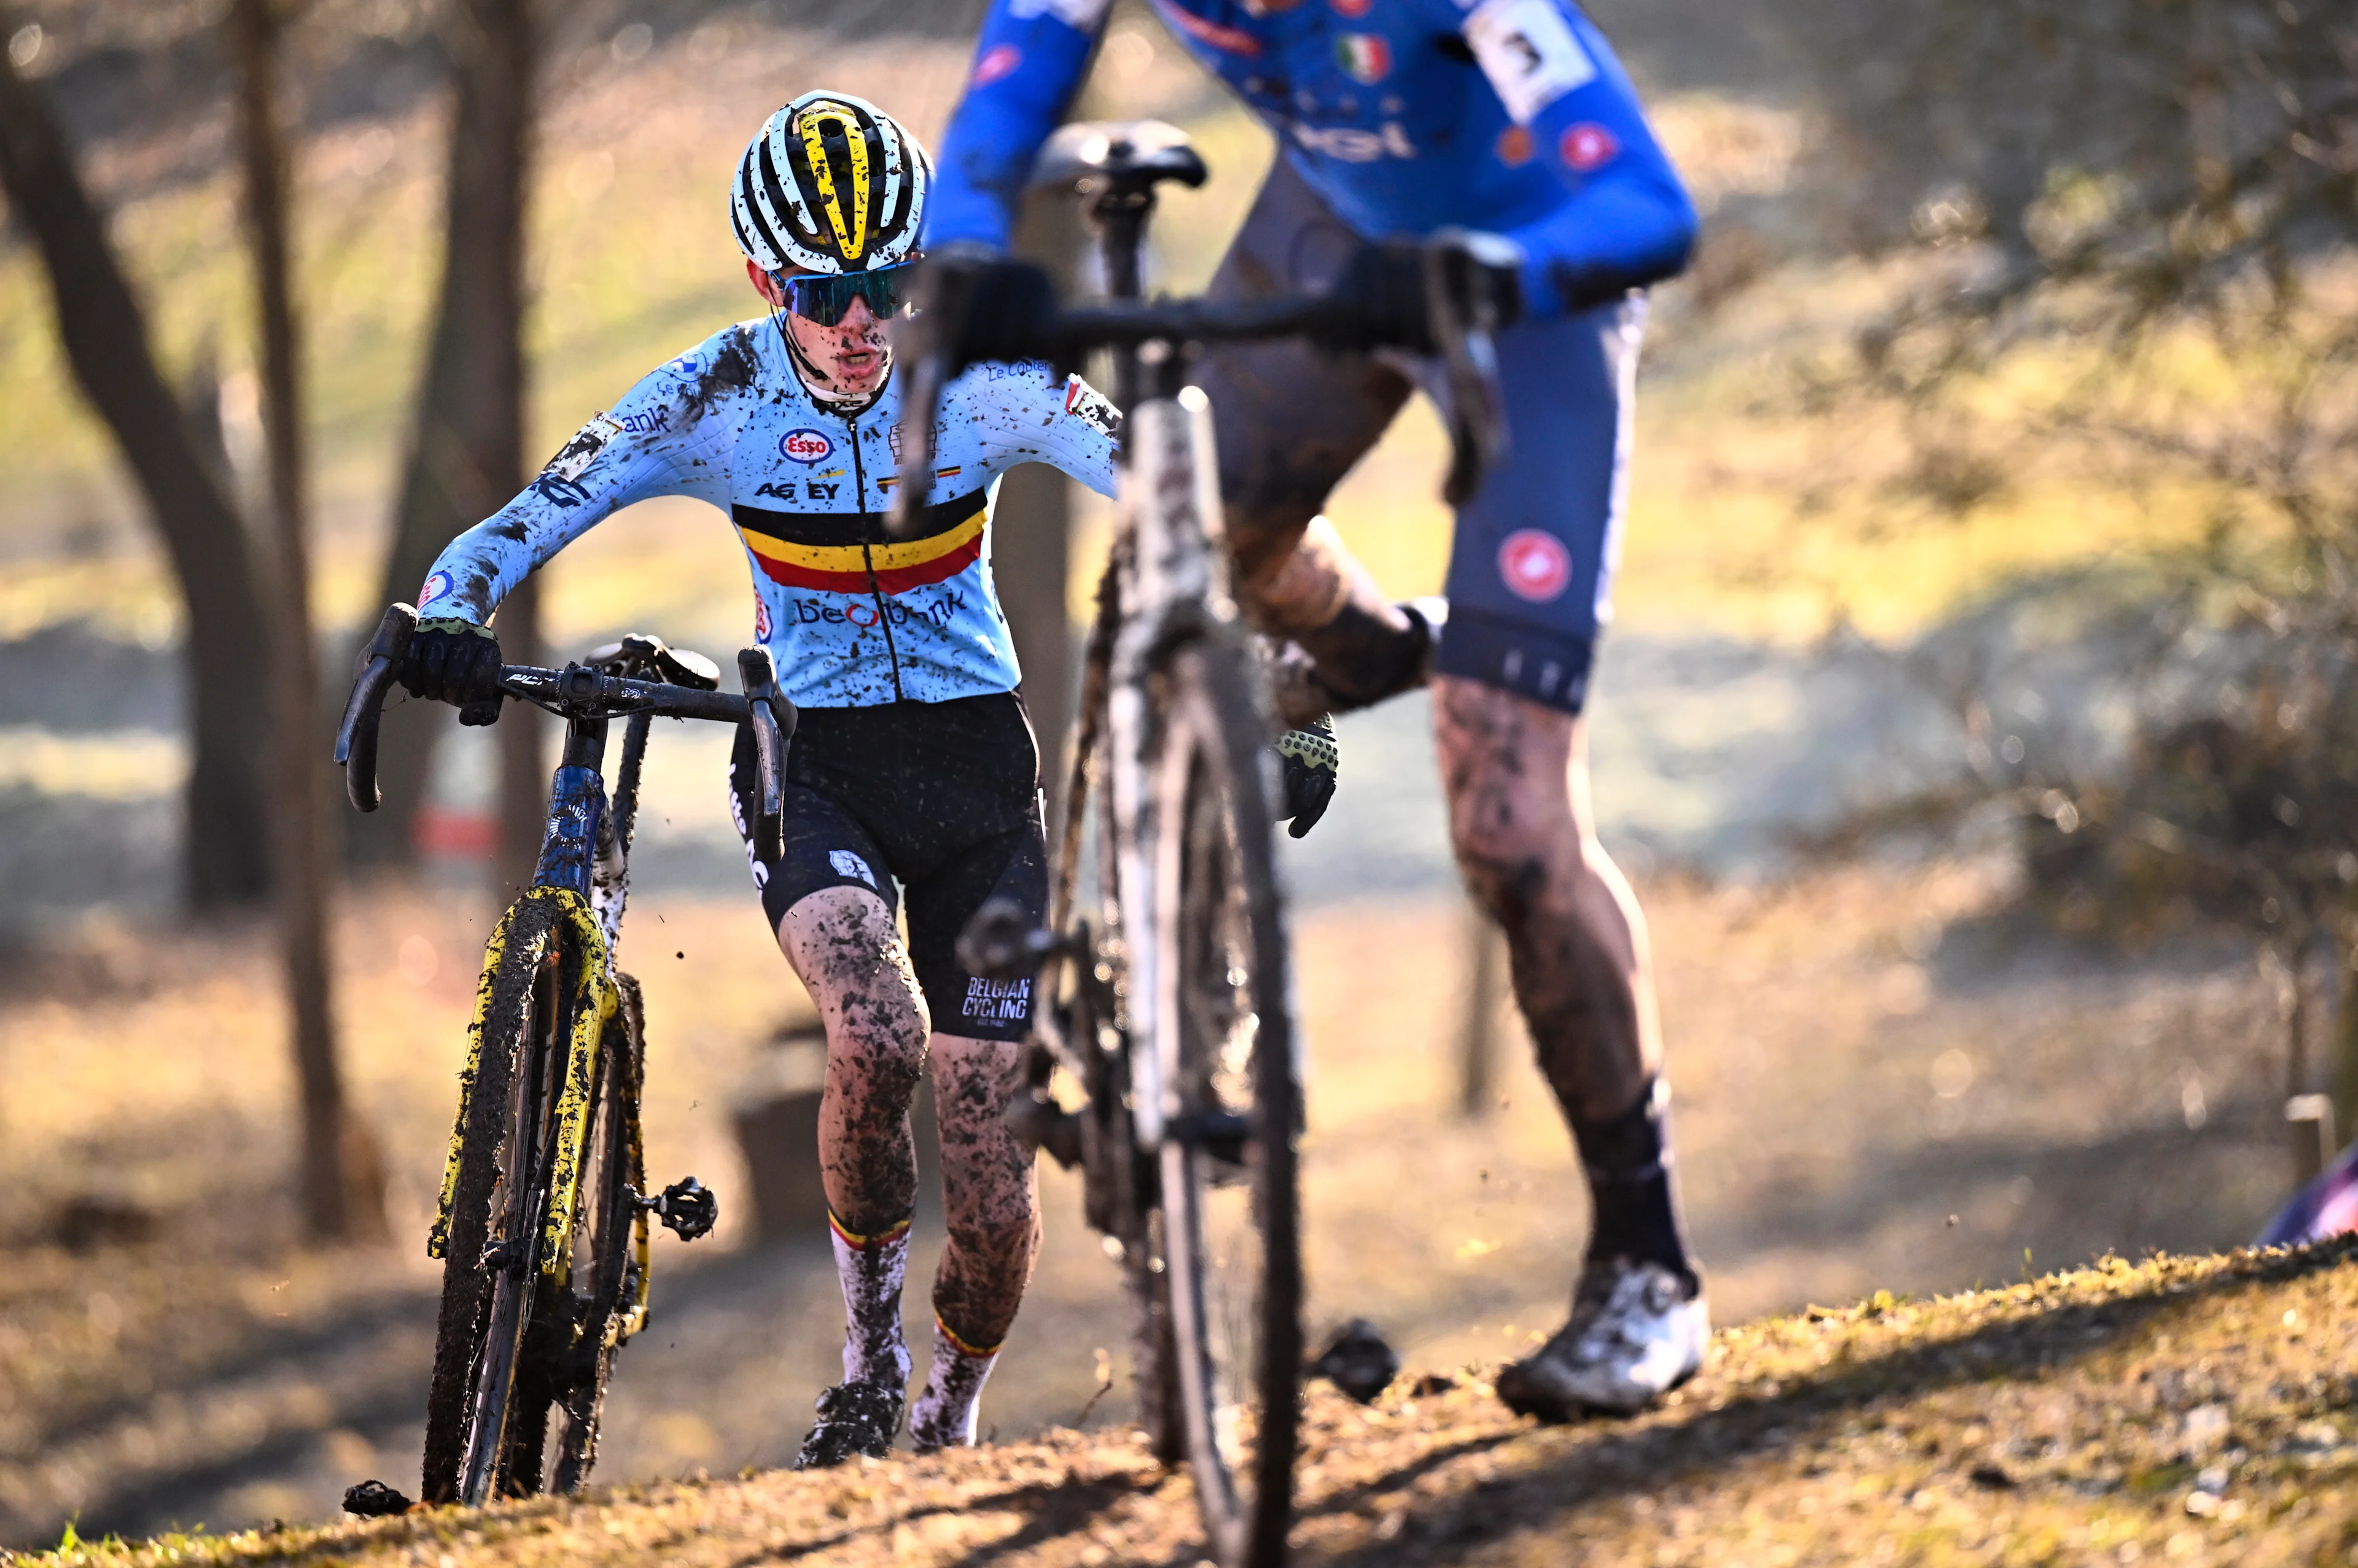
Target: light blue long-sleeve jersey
{"type": "Point", "coordinates": [853, 617]}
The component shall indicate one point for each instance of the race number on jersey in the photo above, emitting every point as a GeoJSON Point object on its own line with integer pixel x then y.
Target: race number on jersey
{"type": "Point", "coordinates": [1082, 14]}
{"type": "Point", "coordinates": [1526, 50]}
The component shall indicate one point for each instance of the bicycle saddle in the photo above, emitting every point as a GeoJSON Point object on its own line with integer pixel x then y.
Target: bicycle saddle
{"type": "Point", "coordinates": [642, 653]}
{"type": "Point", "coordinates": [1117, 157]}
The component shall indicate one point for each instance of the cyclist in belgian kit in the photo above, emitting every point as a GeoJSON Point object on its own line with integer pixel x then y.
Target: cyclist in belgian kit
{"type": "Point", "coordinates": [1397, 118]}
{"type": "Point", "coordinates": [914, 763]}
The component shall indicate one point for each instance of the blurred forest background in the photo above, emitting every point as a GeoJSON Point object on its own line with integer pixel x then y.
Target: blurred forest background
{"type": "Point", "coordinates": [1979, 721]}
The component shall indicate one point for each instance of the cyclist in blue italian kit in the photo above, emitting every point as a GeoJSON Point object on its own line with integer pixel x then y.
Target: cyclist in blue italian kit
{"type": "Point", "coordinates": [1397, 118]}
{"type": "Point", "coordinates": [912, 772]}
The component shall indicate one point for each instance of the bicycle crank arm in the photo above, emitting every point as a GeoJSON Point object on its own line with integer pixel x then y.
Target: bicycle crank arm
{"type": "Point", "coordinates": [1220, 1134]}
{"type": "Point", "coordinates": [688, 1207]}
{"type": "Point", "coordinates": [1039, 1123]}
{"type": "Point", "coordinates": [999, 943]}
{"type": "Point", "coordinates": [504, 1255]}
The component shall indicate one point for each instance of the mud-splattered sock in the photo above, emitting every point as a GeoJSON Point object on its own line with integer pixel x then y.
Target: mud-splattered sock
{"type": "Point", "coordinates": [1628, 1159]}
{"type": "Point", "coordinates": [945, 1414]}
{"type": "Point", "coordinates": [871, 1270]}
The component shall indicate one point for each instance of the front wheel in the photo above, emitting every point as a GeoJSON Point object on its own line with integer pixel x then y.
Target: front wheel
{"type": "Point", "coordinates": [1221, 1028]}
{"type": "Point", "coordinates": [487, 1407]}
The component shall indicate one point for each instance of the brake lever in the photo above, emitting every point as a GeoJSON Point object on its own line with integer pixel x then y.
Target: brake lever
{"type": "Point", "coordinates": [1465, 317]}
{"type": "Point", "coordinates": [936, 317]}
{"type": "Point", "coordinates": [773, 719]}
{"type": "Point", "coordinates": [356, 734]}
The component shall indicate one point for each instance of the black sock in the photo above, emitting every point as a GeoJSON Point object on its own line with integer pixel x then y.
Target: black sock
{"type": "Point", "coordinates": [1628, 1159]}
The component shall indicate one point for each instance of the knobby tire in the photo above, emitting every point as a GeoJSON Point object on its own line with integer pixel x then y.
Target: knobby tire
{"type": "Point", "coordinates": [1234, 1317]}
{"type": "Point", "coordinates": [509, 1345]}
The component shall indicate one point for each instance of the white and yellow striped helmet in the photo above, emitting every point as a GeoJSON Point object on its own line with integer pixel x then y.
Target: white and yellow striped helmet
{"type": "Point", "coordinates": [832, 184]}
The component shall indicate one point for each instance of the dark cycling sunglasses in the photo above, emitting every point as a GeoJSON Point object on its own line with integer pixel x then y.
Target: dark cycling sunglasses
{"type": "Point", "coordinates": [824, 297]}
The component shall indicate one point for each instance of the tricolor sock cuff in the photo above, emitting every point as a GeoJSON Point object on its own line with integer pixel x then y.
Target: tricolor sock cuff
{"type": "Point", "coordinates": [1627, 1159]}
{"type": "Point", "coordinates": [872, 1269]}
{"type": "Point", "coordinates": [945, 1414]}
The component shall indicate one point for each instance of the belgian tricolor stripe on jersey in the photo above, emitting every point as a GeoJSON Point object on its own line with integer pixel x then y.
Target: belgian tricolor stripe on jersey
{"type": "Point", "coordinates": [802, 549]}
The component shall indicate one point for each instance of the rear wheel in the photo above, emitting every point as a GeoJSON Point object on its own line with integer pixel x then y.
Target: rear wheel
{"type": "Point", "coordinates": [1222, 1036]}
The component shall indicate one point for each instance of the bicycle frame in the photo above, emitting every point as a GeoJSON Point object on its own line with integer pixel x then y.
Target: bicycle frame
{"type": "Point", "coordinates": [1172, 581]}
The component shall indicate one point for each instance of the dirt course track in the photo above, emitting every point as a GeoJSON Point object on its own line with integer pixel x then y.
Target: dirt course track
{"type": "Point", "coordinates": [2177, 1410]}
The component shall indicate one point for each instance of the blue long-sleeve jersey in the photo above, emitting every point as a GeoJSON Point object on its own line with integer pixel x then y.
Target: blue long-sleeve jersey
{"type": "Point", "coordinates": [1406, 116]}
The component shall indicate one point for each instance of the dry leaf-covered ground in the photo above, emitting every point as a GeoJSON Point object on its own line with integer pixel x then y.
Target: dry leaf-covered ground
{"type": "Point", "coordinates": [1883, 1082]}
{"type": "Point", "coordinates": [2179, 1409]}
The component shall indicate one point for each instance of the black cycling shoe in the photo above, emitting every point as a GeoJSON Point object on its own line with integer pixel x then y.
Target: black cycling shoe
{"type": "Point", "coordinates": [853, 1417]}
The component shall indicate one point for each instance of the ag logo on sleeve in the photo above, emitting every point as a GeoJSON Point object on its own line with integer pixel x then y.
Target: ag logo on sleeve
{"type": "Point", "coordinates": [1526, 50]}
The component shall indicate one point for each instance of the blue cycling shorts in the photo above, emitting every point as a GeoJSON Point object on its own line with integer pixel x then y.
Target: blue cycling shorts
{"type": "Point", "coordinates": [1530, 568]}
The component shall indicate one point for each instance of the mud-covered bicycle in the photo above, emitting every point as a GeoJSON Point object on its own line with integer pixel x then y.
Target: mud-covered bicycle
{"type": "Point", "coordinates": [544, 1225]}
{"type": "Point", "coordinates": [1174, 1014]}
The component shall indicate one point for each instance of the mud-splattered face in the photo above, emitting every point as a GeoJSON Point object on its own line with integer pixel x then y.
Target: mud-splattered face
{"type": "Point", "coordinates": [851, 358]}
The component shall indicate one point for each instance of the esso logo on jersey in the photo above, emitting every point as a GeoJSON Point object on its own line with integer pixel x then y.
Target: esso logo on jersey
{"type": "Point", "coordinates": [806, 445]}
{"type": "Point", "coordinates": [1589, 146]}
{"type": "Point", "coordinates": [1534, 566]}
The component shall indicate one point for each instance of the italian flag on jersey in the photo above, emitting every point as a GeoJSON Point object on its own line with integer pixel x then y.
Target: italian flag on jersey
{"type": "Point", "coordinates": [1364, 55]}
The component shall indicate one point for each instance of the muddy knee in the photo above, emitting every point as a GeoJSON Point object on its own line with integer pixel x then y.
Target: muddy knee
{"type": "Point", "coordinates": [842, 943]}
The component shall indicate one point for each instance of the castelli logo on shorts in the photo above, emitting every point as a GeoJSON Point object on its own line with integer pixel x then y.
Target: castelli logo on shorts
{"type": "Point", "coordinates": [1589, 146]}
{"type": "Point", "coordinates": [806, 445]}
{"type": "Point", "coordinates": [1534, 566]}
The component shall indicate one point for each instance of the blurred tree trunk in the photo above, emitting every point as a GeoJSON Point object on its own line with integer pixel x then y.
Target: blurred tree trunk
{"type": "Point", "coordinates": [342, 1180]}
{"type": "Point", "coordinates": [466, 453]}
{"type": "Point", "coordinates": [105, 339]}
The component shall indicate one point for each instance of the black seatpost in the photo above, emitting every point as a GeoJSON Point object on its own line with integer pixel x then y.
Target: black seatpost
{"type": "Point", "coordinates": [1121, 210]}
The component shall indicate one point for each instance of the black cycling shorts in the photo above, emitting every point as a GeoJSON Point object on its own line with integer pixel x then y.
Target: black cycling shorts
{"type": "Point", "coordinates": [942, 798]}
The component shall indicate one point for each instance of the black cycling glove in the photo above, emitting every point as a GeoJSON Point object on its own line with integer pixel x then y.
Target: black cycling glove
{"type": "Point", "coordinates": [995, 308]}
{"type": "Point", "coordinates": [1312, 762]}
{"type": "Point", "coordinates": [456, 662]}
{"type": "Point", "coordinates": [1382, 290]}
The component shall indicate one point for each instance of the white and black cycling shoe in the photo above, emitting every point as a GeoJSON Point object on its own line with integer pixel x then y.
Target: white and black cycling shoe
{"type": "Point", "coordinates": [853, 1417]}
{"type": "Point", "coordinates": [1638, 1331]}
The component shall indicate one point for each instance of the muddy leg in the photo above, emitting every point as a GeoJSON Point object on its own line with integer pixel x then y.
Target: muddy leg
{"type": "Point", "coordinates": [992, 1198]}
{"type": "Point", "coordinates": [842, 943]}
{"type": "Point", "coordinates": [1516, 774]}
{"type": "Point", "coordinates": [1517, 777]}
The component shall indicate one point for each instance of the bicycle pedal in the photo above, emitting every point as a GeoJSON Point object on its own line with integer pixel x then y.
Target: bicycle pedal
{"type": "Point", "coordinates": [688, 1207]}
